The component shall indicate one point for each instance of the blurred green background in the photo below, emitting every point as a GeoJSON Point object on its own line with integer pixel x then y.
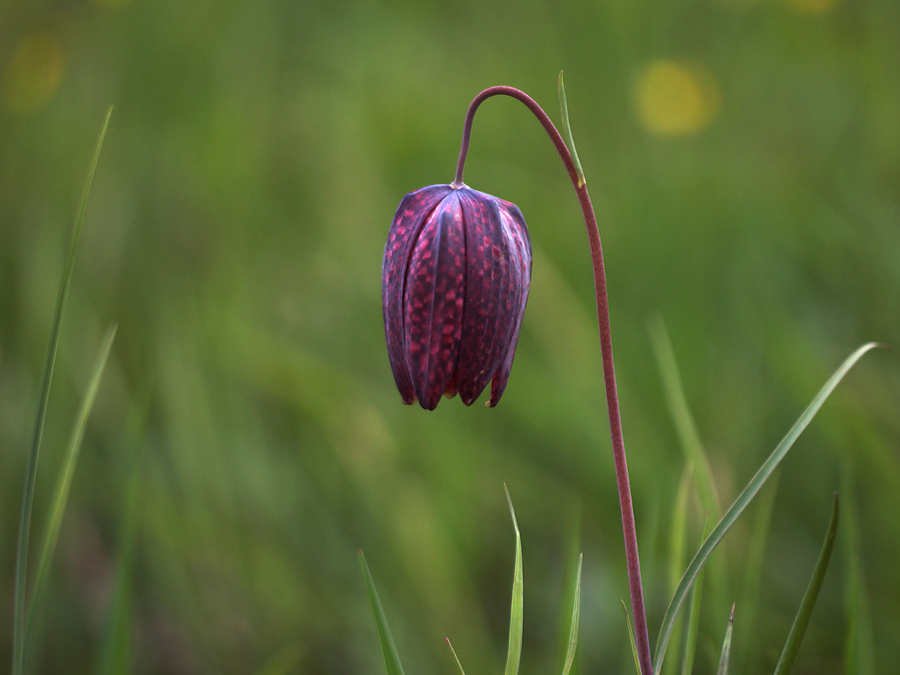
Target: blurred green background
{"type": "Point", "coordinates": [744, 160]}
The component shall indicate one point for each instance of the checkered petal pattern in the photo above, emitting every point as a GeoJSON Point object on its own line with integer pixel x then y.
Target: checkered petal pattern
{"type": "Point", "coordinates": [457, 269]}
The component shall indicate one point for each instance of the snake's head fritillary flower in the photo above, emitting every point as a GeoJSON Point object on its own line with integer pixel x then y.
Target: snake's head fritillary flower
{"type": "Point", "coordinates": [457, 269]}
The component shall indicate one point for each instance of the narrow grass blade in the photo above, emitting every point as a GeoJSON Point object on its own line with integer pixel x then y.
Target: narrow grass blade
{"type": "Point", "coordinates": [859, 641]}
{"type": "Point", "coordinates": [18, 662]}
{"type": "Point", "coordinates": [801, 621]}
{"type": "Point", "coordinates": [693, 617]}
{"type": "Point", "coordinates": [576, 613]}
{"type": "Point", "coordinates": [634, 651]}
{"type": "Point", "coordinates": [516, 611]}
{"type": "Point", "coordinates": [744, 499]}
{"type": "Point", "coordinates": [688, 438]}
{"type": "Point", "coordinates": [117, 654]}
{"type": "Point", "coordinates": [726, 647]}
{"type": "Point", "coordinates": [61, 495]}
{"type": "Point", "coordinates": [388, 651]}
{"type": "Point", "coordinates": [677, 534]}
{"type": "Point", "coordinates": [567, 130]}
{"type": "Point", "coordinates": [690, 443]}
{"type": "Point", "coordinates": [746, 650]}
{"type": "Point", "coordinates": [459, 667]}
{"type": "Point", "coordinates": [678, 529]}
{"type": "Point", "coordinates": [572, 566]}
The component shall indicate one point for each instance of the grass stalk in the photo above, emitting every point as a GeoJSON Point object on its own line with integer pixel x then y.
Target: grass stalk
{"type": "Point", "coordinates": [726, 646]}
{"type": "Point", "coordinates": [60, 499]}
{"type": "Point", "coordinates": [516, 612]}
{"type": "Point", "coordinates": [389, 653]}
{"type": "Point", "coordinates": [573, 629]}
{"type": "Point", "coordinates": [744, 498]}
{"type": "Point", "coordinates": [18, 657]}
{"type": "Point", "coordinates": [693, 616]}
{"type": "Point", "coordinates": [801, 621]}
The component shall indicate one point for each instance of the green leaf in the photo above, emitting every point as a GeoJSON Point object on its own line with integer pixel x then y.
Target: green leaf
{"type": "Point", "coordinates": [677, 534]}
{"type": "Point", "coordinates": [516, 612]}
{"type": "Point", "coordinates": [572, 567]}
{"type": "Point", "coordinates": [18, 664]}
{"type": "Point", "coordinates": [688, 438]}
{"type": "Point", "coordinates": [744, 499]}
{"type": "Point", "coordinates": [61, 496]}
{"type": "Point", "coordinates": [726, 646]}
{"type": "Point", "coordinates": [576, 612]}
{"type": "Point", "coordinates": [678, 529]}
{"type": "Point", "coordinates": [690, 443]}
{"type": "Point", "coordinates": [117, 654]}
{"type": "Point", "coordinates": [859, 641]}
{"type": "Point", "coordinates": [634, 651]}
{"type": "Point", "coordinates": [693, 617]}
{"type": "Point", "coordinates": [801, 621]}
{"type": "Point", "coordinates": [388, 650]}
{"type": "Point", "coordinates": [752, 557]}
{"type": "Point", "coordinates": [459, 667]}
{"type": "Point", "coordinates": [567, 131]}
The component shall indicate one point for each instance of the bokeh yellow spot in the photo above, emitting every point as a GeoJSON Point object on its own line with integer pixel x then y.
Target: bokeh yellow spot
{"type": "Point", "coordinates": [34, 72]}
{"type": "Point", "coordinates": [813, 6]}
{"type": "Point", "coordinates": [675, 99]}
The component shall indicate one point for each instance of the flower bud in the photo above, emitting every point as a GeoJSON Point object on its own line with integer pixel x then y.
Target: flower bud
{"type": "Point", "coordinates": [455, 280]}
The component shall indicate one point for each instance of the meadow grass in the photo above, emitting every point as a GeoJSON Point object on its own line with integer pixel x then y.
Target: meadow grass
{"type": "Point", "coordinates": [246, 440]}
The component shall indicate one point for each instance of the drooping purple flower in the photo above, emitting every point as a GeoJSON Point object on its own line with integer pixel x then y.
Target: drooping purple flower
{"type": "Point", "coordinates": [457, 269]}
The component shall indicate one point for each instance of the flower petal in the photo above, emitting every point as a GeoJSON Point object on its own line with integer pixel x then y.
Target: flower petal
{"type": "Point", "coordinates": [482, 343]}
{"type": "Point", "coordinates": [411, 215]}
{"type": "Point", "coordinates": [516, 296]}
{"type": "Point", "coordinates": [433, 302]}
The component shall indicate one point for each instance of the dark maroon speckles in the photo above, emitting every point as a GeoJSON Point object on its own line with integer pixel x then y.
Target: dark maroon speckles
{"type": "Point", "coordinates": [457, 269]}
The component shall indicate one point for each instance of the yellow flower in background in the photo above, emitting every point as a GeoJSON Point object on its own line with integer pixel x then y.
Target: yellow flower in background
{"type": "Point", "coordinates": [34, 72]}
{"type": "Point", "coordinates": [675, 98]}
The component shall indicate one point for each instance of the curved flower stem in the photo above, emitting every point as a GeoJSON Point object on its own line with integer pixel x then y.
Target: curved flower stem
{"type": "Point", "coordinates": [609, 375]}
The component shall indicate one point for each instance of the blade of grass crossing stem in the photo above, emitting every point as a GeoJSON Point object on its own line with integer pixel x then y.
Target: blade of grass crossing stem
{"type": "Point", "coordinates": [388, 650]}
{"type": "Point", "coordinates": [801, 621]}
{"type": "Point", "coordinates": [744, 499]}
{"type": "Point", "coordinates": [61, 496]}
{"type": "Point", "coordinates": [459, 667]}
{"type": "Point", "coordinates": [677, 533]}
{"type": "Point", "coordinates": [573, 630]}
{"type": "Point", "coordinates": [516, 610]}
{"type": "Point", "coordinates": [634, 651]}
{"type": "Point", "coordinates": [726, 647]}
{"type": "Point", "coordinates": [567, 130]}
{"type": "Point", "coordinates": [31, 468]}
{"type": "Point", "coordinates": [693, 617]}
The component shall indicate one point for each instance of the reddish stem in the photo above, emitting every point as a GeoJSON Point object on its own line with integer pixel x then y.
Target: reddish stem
{"type": "Point", "coordinates": [609, 374]}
